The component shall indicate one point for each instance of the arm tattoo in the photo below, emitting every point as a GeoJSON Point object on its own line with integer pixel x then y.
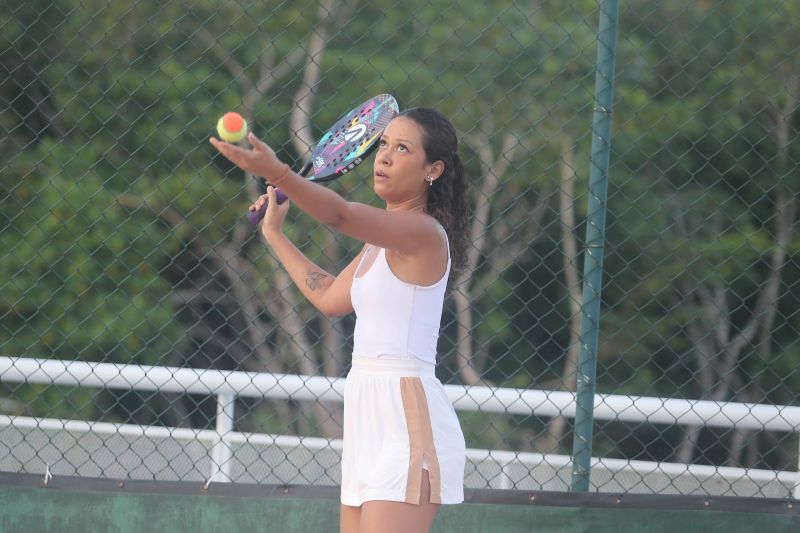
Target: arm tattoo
{"type": "Point", "coordinates": [315, 280]}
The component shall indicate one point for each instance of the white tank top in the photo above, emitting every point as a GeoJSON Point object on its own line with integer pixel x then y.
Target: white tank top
{"type": "Point", "coordinates": [395, 318]}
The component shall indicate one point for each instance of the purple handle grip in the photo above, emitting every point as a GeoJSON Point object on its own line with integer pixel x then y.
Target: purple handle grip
{"type": "Point", "coordinates": [254, 217]}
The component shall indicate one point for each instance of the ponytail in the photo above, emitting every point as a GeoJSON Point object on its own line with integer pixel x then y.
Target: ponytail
{"type": "Point", "coordinates": [447, 197]}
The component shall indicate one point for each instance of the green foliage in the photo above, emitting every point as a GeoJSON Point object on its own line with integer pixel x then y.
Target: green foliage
{"type": "Point", "coordinates": [112, 202]}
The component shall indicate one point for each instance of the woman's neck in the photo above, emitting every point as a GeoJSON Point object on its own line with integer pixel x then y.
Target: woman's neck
{"type": "Point", "coordinates": [413, 204]}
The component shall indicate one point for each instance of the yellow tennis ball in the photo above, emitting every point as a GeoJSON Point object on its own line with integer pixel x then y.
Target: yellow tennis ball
{"type": "Point", "coordinates": [232, 127]}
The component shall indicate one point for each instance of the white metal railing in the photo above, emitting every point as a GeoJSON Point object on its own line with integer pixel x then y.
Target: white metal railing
{"type": "Point", "coordinates": [505, 475]}
{"type": "Point", "coordinates": [226, 385]}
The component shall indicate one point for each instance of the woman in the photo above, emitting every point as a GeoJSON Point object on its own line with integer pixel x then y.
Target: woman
{"type": "Point", "coordinates": [404, 451]}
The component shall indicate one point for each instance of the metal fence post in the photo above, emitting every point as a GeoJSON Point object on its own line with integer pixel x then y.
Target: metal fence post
{"type": "Point", "coordinates": [796, 490]}
{"type": "Point", "coordinates": [595, 235]}
{"type": "Point", "coordinates": [221, 452]}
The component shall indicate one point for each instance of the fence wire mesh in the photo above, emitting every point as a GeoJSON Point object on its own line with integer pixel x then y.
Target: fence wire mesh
{"type": "Point", "coordinates": [123, 239]}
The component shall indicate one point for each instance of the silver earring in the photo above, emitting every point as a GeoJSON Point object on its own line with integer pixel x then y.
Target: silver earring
{"type": "Point", "coordinates": [429, 179]}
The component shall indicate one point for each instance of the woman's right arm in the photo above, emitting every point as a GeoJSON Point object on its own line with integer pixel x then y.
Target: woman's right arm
{"type": "Point", "coordinates": [328, 293]}
{"type": "Point", "coordinates": [405, 232]}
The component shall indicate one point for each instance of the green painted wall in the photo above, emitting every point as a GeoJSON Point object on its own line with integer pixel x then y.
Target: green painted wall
{"type": "Point", "coordinates": [31, 510]}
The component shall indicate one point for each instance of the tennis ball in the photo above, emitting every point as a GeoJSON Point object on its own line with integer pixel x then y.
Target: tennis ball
{"type": "Point", "coordinates": [232, 127]}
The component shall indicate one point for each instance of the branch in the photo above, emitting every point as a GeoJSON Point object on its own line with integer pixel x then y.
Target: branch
{"type": "Point", "coordinates": [493, 168]}
{"type": "Point", "coordinates": [223, 55]}
{"type": "Point", "coordinates": [300, 120]}
{"type": "Point", "coordinates": [786, 207]}
{"type": "Point", "coordinates": [570, 256]}
{"type": "Point", "coordinates": [569, 374]}
{"type": "Point", "coordinates": [229, 262]}
{"type": "Point", "coordinates": [511, 253]}
{"type": "Point", "coordinates": [270, 74]}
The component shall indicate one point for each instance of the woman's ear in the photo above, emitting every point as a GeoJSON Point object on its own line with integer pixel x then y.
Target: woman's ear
{"type": "Point", "coordinates": [436, 169]}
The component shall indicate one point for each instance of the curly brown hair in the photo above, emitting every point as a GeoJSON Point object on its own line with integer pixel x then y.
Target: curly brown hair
{"type": "Point", "coordinates": [447, 197]}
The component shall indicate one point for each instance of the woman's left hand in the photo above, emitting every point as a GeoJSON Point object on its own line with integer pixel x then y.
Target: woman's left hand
{"type": "Point", "coordinates": [259, 161]}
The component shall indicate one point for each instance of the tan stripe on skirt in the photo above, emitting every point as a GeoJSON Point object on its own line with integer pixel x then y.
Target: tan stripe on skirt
{"type": "Point", "coordinates": [420, 437]}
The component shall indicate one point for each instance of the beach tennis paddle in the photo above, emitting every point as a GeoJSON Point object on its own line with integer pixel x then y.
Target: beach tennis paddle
{"type": "Point", "coordinates": [345, 145]}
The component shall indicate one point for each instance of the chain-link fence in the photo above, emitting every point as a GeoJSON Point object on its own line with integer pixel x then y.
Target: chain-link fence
{"type": "Point", "coordinates": [147, 332]}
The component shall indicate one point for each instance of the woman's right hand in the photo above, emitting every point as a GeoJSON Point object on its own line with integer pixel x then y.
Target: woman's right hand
{"type": "Point", "coordinates": [259, 161]}
{"type": "Point", "coordinates": [275, 214]}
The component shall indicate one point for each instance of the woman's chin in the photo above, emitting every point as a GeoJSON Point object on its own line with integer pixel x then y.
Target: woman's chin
{"type": "Point", "coordinates": [381, 190]}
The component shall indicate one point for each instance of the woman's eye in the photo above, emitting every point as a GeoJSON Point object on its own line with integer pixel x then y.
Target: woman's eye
{"type": "Point", "coordinates": [402, 148]}
{"type": "Point", "coordinates": [382, 144]}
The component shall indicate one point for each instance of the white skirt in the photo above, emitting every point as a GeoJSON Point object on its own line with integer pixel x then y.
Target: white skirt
{"type": "Point", "coordinates": [397, 422]}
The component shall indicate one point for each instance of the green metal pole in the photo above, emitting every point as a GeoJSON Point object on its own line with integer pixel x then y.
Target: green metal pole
{"type": "Point", "coordinates": [595, 238]}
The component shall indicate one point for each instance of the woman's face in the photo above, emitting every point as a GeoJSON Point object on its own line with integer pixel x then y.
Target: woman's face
{"type": "Point", "coordinates": [401, 167]}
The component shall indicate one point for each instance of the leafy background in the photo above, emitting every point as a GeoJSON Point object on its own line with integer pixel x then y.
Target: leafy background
{"type": "Point", "coordinates": [123, 238]}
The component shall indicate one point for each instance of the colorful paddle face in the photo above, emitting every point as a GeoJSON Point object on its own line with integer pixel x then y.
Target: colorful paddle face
{"type": "Point", "coordinates": [346, 144]}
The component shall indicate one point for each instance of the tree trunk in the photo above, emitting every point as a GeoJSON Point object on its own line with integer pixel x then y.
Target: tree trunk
{"type": "Point", "coordinates": [555, 428]}
{"type": "Point", "coordinates": [493, 166]}
{"type": "Point", "coordinates": [300, 120]}
{"type": "Point", "coordinates": [729, 347]}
